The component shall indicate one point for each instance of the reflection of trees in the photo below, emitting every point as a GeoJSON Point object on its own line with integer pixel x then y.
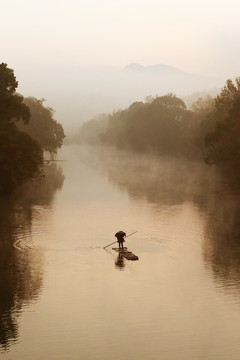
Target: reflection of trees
{"type": "Point", "coordinates": [164, 182]}
{"type": "Point", "coordinates": [221, 246]}
{"type": "Point", "coordinates": [20, 275]}
{"type": "Point", "coordinates": [21, 269]}
{"type": "Point", "coordinates": [159, 180]}
{"type": "Point", "coordinates": [42, 190]}
{"type": "Point", "coordinates": [168, 181]}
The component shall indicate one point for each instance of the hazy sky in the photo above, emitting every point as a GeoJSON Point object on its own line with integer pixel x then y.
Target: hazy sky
{"type": "Point", "coordinates": [47, 43]}
{"type": "Point", "coordinates": [196, 36]}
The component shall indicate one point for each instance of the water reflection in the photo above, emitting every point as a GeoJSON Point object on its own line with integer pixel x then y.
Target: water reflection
{"type": "Point", "coordinates": [169, 181]}
{"type": "Point", "coordinates": [42, 190]}
{"type": "Point", "coordinates": [221, 245]}
{"type": "Point", "coordinates": [166, 181]}
{"type": "Point", "coordinates": [120, 262]}
{"type": "Point", "coordinates": [21, 269]}
{"type": "Point", "coordinates": [158, 180]}
{"type": "Point", "coordinates": [173, 304]}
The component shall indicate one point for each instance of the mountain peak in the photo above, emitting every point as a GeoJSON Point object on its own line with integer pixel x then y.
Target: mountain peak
{"type": "Point", "coordinates": [134, 67]}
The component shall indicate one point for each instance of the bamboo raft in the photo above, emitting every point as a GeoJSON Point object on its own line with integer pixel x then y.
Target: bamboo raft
{"type": "Point", "coordinates": [126, 254]}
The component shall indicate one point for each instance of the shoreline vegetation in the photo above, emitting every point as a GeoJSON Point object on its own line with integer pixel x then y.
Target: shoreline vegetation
{"type": "Point", "coordinates": [162, 125]}
{"type": "Point", "coordinates": [209, 131]}
{"type": "Point", "coordinates": [28, 130]}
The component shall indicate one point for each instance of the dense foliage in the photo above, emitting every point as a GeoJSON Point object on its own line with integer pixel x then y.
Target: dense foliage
{"type": "Point", "coordinates": [223, 143]}
{"type": "Point", "coordinates": [42, 126]}
{"type": "Point", "coordinates": [20, 156]}
{"type": "Point", "coordinates": [210, 130]}
{"type": "Point", "coordinates": [21, 153]}
{"type": "Point", "coordinates": [159, 125]}
{"type": "Point", "coordinates": [11, 104]}
{"type": "Point", "coordinates": [227, 97]}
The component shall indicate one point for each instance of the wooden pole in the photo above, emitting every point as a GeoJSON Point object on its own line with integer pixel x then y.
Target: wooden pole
{"type": "Point", "coordinates": [110, 244]}
{"type": "Point", "coordinates": [131, 234]}
{"type": "Point", "coordinates": [116, 240]}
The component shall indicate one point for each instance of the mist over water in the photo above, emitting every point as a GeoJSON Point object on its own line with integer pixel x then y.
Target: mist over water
{"type": "Point", "coordinates": [63, 296]}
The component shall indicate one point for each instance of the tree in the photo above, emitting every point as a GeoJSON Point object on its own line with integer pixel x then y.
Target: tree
{"type": "Point", "coordinates": [223, 141]}
{"type": "Point", "coordinates": [20, 155]}
{"type": "Point", "coordinates": [11, 104]}
{"type": "Point", "coordinates": [203, 120]}
{"type": "Point", "coordinates": [171, 101]}
{"type": "Point", "coordinates": [157, 125]}
{"type": "Point", "coordinates": [227, 97]}
{"type": "Point", "coordinates": [91, 131]}
{"type": "Point", "coordinates": [223, 144]}
{"type": "Point", "coordinates": [203, 106]}
{"type": "Point", "coordinates": [42, 126]}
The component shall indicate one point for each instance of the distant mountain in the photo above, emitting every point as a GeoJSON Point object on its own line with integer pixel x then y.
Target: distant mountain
{"type": "Point", "coordinates": [161, 69]}
{"type": "Point", "coordinates": [161, 78]}
{"type": "Point", "coordinates": [134, 67]}
{"type": "Point", "coordinates": [78, 94]}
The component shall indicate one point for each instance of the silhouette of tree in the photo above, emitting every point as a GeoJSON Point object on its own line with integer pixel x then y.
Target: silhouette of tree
{"type": "Point", "coordinates": [223, 144]}
{"type": "Point", "coordinates": [20, 155]}
{"type": "Point", "coordinates": [42, 126]}
{"type": "Point", "coordinates": [157, 125]}
{"type": "Point", "coordinates": [11, 104]}
{"type": "Point", "coordinates": [227, 97]}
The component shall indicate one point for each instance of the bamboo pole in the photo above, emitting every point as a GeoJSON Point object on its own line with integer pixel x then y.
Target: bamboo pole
{"type": "Point", "coordinates": [116, 240]}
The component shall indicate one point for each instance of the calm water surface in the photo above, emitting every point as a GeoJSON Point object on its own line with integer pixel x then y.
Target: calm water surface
{"type": "Point", "coordinates": [63, 297]}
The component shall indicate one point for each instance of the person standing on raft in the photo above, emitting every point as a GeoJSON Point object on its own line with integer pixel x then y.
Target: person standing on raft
{"type": "Point", "coordinates": [120, 238]}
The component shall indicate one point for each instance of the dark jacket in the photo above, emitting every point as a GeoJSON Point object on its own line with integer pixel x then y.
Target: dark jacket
{"type": "Point", "coordinates": [120, 236]}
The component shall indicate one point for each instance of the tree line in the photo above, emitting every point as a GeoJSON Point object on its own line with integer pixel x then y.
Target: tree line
{"type": "Point", "coordinates": [162, 124]}
{"type": "Point", "coordinates": [27, 130]}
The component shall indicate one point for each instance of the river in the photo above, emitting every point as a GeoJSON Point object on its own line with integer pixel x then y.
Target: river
{"type": "Point", "coordinates": [62, 296]}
